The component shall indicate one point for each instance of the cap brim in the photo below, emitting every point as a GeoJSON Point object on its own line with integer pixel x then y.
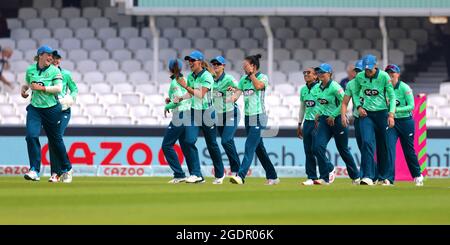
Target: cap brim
{"type": "Point", "coordinates": [215, 60]}
{"type": "Point", "coordinates": [369, 67]}
{"type": "Point", "coordinates": [187, 57]}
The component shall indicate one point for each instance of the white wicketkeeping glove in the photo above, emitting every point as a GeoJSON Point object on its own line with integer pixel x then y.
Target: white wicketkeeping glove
{"type": "Point", "coordinates": [66, 102]}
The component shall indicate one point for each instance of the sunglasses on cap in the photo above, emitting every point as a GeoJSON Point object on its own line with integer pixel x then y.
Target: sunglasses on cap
{"type": "Point", "coordinates": [216, 64]}
{"type": "Point", "coordinates": [305, 73]}
{"type": "Point", "coordinates": [192, 60]}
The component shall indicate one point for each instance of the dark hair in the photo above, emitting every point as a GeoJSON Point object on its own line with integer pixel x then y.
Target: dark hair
{"type": "Point", "coordinates": [254, 59]}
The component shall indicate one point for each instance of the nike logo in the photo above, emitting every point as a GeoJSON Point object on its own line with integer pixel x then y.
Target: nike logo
{"type": "Point", "coordinates": [257, 127]}
{"type": "Point", "coordinates": [169, 127]}
{"type": "Point", "coordinates": [411, 134]}
{"type": "Point", "coordinates": [341, 132]}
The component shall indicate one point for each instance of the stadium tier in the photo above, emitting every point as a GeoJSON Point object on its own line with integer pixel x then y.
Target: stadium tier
{"type": "Point", "coordinates": [110, 56]}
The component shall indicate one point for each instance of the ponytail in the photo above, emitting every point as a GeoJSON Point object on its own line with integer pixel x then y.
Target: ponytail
{"type": "Point", "coordinates": [254, 60]}
{"type": "Point", "coordinates": [206, 66]}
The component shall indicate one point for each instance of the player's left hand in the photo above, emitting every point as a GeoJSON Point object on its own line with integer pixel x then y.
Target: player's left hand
{"type": "Point", "coordinates": [391, 121]}
{"type": "Point", "coordinates": [330, 121]}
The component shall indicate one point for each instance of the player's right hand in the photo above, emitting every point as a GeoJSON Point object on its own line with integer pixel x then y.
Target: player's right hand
{"type": "Point", "coordinates": [344, 121]}
{"type": "Point", "coordinates": [23, 92]}
{"type": "Point", "coordinates": [362, 112]}
{"type": "Point", "coordinates": [299, 132]}
{"type": "Point", "coordinates": [167, 100]}
{"type": "Point", "coordinates": [165, 112]}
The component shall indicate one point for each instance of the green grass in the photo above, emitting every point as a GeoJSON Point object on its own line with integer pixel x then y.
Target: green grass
{"type": "Point", "coordinates": [91, 200]}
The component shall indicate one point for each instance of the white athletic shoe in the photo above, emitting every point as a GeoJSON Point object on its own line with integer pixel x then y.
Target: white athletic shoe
{"type": "Point", "coordinates": [193, 179]}
{"type": "Point", "coordinates": [177, 180]}
{"type": "Point", "coordinates": [320, 182]}
{"type": "Point", "coordinates": [386, 182]}
{"type": "Point", "coordinates": [32, 175]}
{"type": "Point", "coordinates": [356, 181]}
{"type": "Point", "coordinates": [366, 181]}
{"type": "Point", "coordinates": [419, 180]}
{"type": "Point", "coordinates": [236, 180]}
{"type": "Point", "coordinates": [272, 181]}
{"type": "Point", "coordinates": [308, 182]}
{"type": "Point", "coordinates": [234, 173]}
{"type": "Point", "coordinates": [67, 176]}
{"type": "Point", "coordinates": [218, 181]}
{"type": "Point", "coordinates": [54, 178]}
{"type": "Point", "coordinates": [332, 176]}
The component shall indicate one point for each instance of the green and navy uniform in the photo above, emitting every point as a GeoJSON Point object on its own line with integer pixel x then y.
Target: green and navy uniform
{"type": "Point", "coordinates": [404, 129]}
{"type": "Point", "coordinates": [227, 117]}
{"type": "Point", "coordinates": [255, 121]}
{"type": "Point", "coordinates": [308, 98]}
{"type": "Point", "coordinates": [329, 102]}
{"type": "Point", "coordinates": [44, 111]}
{"type": "Point", "coordinates": [202, 116]}
{"type": "Point", "coordinates": [67, 85]}
{"type": "Point", "coordinates": [176, 129]}
{"type": "Point", "coordinates": [374, 93]}
{"type": "Point", "coordinates": [350, 92]}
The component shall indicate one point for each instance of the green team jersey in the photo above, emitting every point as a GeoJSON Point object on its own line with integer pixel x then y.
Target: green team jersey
{"type": "Point", "coordinates": [253, 98]}
{"type": "Point", "coordinates": [202, 79]}
{"type": "Point", "coordinates": [308, 97]}
{"type": "Point", "coordinates": [68, 83]}
{"type": "Point", "coordinates": [48, 76]}
{"type": "Point", "coordinates": [175, 89]}
{"type": "Point", "coordinates": [374, 91]}
{"type": "Point", "coordinates": [404, 100]}
{"type": "Point", "coordinates": [350, 92]}
{"type": "Point", "coordinates": [220, 94]}
{"type": "Point", "coordinates": [329, 99]}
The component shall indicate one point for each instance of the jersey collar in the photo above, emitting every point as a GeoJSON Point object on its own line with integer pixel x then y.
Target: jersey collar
{"type": "Point", "coordinates": [328, 85]}
{"type": "Point", "coordinates": [199, 74]}
{"type": "Point", "coordinates": [43, 69]}
{"type": "Point", "coordinates": [220, 78]}
{"type": "Point", "coordinates": [256, 75]}
{"type": "Point", "coordinates": [311, 85]}
{"type": "Point", "coordinates": [375, 76]}
{"type": "Point", "coordinates": [397, 85]}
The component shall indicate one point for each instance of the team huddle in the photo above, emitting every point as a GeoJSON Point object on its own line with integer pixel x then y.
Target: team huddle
{"type": "Point", "coordinates": [206, 99]}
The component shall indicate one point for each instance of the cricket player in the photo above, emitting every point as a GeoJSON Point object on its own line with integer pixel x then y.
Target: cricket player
{"type": "Point", "coordinates": [327, 118]}
{"type": "Point", "coordinates": [404, 127]}
{"type": "Point", "coordinates": [45, 81]}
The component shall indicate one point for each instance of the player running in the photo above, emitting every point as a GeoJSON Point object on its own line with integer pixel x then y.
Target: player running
{"type": "Point", "coordinates": [328, 121]}
{"type": "Point", "coordinates": [199, 86]}
{"type": "Point", "coordinates": [308, 97]}
{"type": "Point", "coordinates": [45, 81]}
{"type": "Point", "coordinates": [253, 86]}
{"type": "Point", "coordinates": [227, 112]}
{"type": "Point", "coordinates": [66, 100]}
{"type": "Point", "coordinates": [374, 88]}
{"type": "Point", "coordinates": [404, 127]}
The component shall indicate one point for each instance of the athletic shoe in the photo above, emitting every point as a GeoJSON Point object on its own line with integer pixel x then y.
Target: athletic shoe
{"type": "Point", "coordinates": [356, 181]}
{"type": "Point", "coordinates": [32, 175]}
{"type": "Point", "coordinates": [193, 179]}
{"type": "Point", "coordinates": [332, 176]}
{"type": "Point", "coordinates": [308, 182]}
{"type": "Point", "coordinates": [320, 182]}
{"type": "Point", "coordinates": [218, 181]}
{"type": "Point", "coordinates": [366, 181]}
{"type": "Point", "coordinates": [177, 180]}
{"type": "Point", "coordinates": [236, 180]}
{"type": "Point", "coordinates": [54, 178]}
{"type": "Point", "coordinates": [386, 182]}
{"type": "Point", "coordinates": [419, 180]}
{"type": "Point", "coordinates": [234, 173]}
{"type": "Point", "coordinates": [67, 176]}
{"type": "Point", "coordinates": [272, 181]}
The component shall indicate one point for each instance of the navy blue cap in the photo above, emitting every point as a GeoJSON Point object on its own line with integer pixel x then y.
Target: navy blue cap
{"type": "Point", "coordinates": [56, 54]}
{"type": "Point", "coordinates": [359, 65]}
{"type": "Point", "coordinates": [324, 68]}
{"type": "Point", "coordinates": [44, 49]}
{"type": "Point", "coordinates": [219, 59]}
{"type": "Point", "coordinates": [392, 67]}
{"type": "Point", "coordinates": [369, 61]}
{"type": "Point", "coordinates": [172, 63]}
{"type": "Point", "coordinates": [195, 55]}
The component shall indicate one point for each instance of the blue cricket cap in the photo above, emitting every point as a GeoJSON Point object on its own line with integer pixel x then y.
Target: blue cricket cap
{"type": "Point", "coordinates": [219, 59]}
{"type": "Point", "coordinates": [359, 65]}
{"type": "Point", "coordinates": [324, 68]}
{"type": "Point", "coordinates": [393, 68]}
{"type": "Point", "coordinates": [174, 62]}
{"type": "Point", "coordinates": [44, 49]}
{"type": "Point", "coordinates": [369, 61]}
{"type": "Point", "coordinates": [195, 55]}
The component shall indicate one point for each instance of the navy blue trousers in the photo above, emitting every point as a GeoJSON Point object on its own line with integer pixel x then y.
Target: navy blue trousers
{"type": "Point", "coordinates": [209, 131]}
{"type": "Point", "coordinates": [254, 144]}
{"type": "Point", "coordinates": [228, 123]}
{"type": "Point", "coordinates": [175, 131]}
{"type": "Point", "coordinates": [311, 161]}
{"type": "Point", "coordinates": [404, 130]}
{"type": "Point", "coordinates": [54, 160]}
{"type": "Point", "coordinates": [323, 134]}
{"type": "Point", "coordinates": [373, 130]}
{"type": "Point", "coordinates": [50, 120]}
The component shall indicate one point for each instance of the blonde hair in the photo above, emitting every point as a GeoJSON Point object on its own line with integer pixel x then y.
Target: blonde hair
{"type": "Point", "coordinates": [206, 66]}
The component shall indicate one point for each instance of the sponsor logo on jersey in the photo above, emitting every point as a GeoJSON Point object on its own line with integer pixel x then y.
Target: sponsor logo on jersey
{"type": "Point", "coordinates": [371, 92]}
{"type": "Point", "coordinates": [310, 103]}
{"type": "Point", "coordinates": [323, 101]}
{"type": "Point", "coordinates": [249, 92]}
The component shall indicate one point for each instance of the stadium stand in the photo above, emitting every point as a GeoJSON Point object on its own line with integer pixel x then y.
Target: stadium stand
{"type": "Point", "coordinates": [111, 57]}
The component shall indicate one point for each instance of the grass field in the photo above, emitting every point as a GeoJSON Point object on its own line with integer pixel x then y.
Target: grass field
{"type": "Point", "coordinates": [91, 200]}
